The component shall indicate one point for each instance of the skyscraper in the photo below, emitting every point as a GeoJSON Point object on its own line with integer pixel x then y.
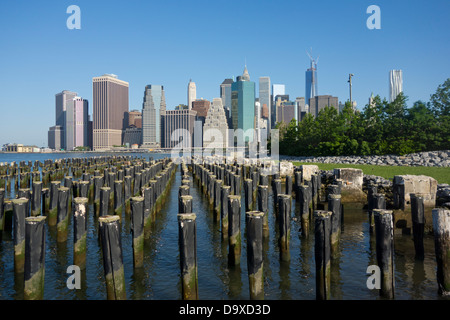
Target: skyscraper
{"type": "Point", "coordinates": [277, 90]}
{"type": "Point", "coordinates": [264, 97]}
{"type": "Point", "coordinates": [153, 107]}
{"type": "Point", "coordinates": [311, 88]}
{"type": "Point", "coordinates": [395, 84]}
{"type": "Point", "coordinates": [77, 117]}
{"type": "Point", "coordinates": [62, 99]}
{"type": "Point", "coordinates": [225, 93]}
{"type": "Point", "coordinates": [192, 93]}
{"type": "Point", "coordinates": [215, 129]}
{"type": "Point", "coordinates": [243, 105]}
{"type": "Point", "coordinates": [318, 103]}
{"type": "Point", "coordinates": [110, 99]}
{"type": "Point", "coordinates": [177, 128]}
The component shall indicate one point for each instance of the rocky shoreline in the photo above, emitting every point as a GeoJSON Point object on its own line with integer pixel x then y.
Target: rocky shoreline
{"type": "Point", "coordinates": [427, 159]}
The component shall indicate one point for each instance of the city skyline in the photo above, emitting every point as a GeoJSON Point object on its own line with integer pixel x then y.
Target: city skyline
{"type": "Point", "coordinates": [342, 40]}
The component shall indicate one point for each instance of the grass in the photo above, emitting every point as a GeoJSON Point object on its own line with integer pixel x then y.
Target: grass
{"type": "Point", "coordinates": [442, 175]}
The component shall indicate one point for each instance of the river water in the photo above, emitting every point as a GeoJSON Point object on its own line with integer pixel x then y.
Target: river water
{"type": "Point", "coordinates": [159, 279]}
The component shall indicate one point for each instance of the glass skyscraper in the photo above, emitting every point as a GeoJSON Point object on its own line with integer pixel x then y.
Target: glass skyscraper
{"type": "Point", "coordinates": [153, 107]}
{"type": "Point", "coordinates": [243, 105]}
{"type": "Point", "coordinates": [311, 89]}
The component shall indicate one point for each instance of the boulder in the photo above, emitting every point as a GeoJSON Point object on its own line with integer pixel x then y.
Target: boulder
{"type": "Point", "coordinates": [352, 183]}
{"type": "Point", "coordinates": [286, 168]}
{"type": "Point", "coordinates": [308, 170]}
{"type": "Point", "coordinates": [404, 185]}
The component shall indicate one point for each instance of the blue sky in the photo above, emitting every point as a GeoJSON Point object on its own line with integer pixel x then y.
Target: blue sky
{"type": "Point", "coordinates": [168, 42]}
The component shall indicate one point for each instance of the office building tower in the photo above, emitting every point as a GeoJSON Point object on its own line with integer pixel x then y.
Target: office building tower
{"type": "Point", "coordinates": [177, 128]}
{"type": "Point", "coordinates": [265, 96]}
{"type": "Point", "coordinates": [77, 118]}
{"type": "Point", "coordinates": [153, 107]}
{"type": "Point", "coordinates": [54, 137]}
{"type": "Point", "coordinates": [110, 100]}
{"type": "Point", "coordinates": [395, 84]}
{"type": "Point", "coordinates": [62, 99]}
{"type": "Point", "coordinates": [286, 111]}
{"type": "Point", "coordinates": [215, 129]}
{"type": "Point", "coordinates": [319, 103]}
{"type": "Point", "coordinates": [311, 87]}
{"type": "Point", "coordinates": [301, 108]}
{"type": "Point", "coordinates": [225, 93]}
{"type": "Point", "coordinates": [133, 118]}
{"type": "Point", "coordinates": [201, 106]}
{"type": "Point", "coordinates": [278, 100]}
{"type": "Point", "coordinates": [243, 106]}
{"type": "Point", "coordinates": [277, 90]}
{"type": "Point", "coordinates": [192, 93]}
{"type": "Point", "coordinates": [132, 136]}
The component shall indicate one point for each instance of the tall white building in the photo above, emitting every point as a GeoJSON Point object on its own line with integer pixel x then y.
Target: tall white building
{"type": "Point", "coordinates": [395, 84]}
{"type": "Point", "coordinates": [215, 129]}
{"type": "Point", "coordinates": [192, 93]}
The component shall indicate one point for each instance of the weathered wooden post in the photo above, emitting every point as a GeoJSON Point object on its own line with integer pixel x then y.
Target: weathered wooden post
{"type": "Point", "coordinates": [187, 242]}
{"type": "Point", "coordinates": [147, 193]}
{"type": "Point", "coordinates": [79, 231]}
{"type": "Point", "coordinates": [288, 185]}
{"type": "Point", "coordinates": [118, 197]}
{"type": "Point", "coordinates": [53, 205]}
{"type": "Point", "coordinates": [378, 201]}
{"type": "Point", "coordinates": [263, 206]}
{"type": "Point", "coordinates": [441, 229]}
{"type": "Point", "coordinates": [104, 200]}
{"type": "Point", "coordinates": [254, 223]}
{"type": "Point", "coordinates": [34, 268]}
{"type": "Point", "coordinates": [248, 193]}
{"type": "Point", "coordinates": [322, 253]}
{"type": "Point", "coordinates": [303, 196]}
{"type": "Point", "coordinates": [217, 198]}
{"type": "Point", "coordinates": [127, 193]}
{"type": "Point", "coordinates": [36, 198]}
{"type": "Point", "coordinates": [19, 215]}
{"type": "Point", "coordinates": [98, 183]}
{"type": "Point", "coordinates": [284, 218]}
{"type": "Point", "coordinates": [83, 189]}
{"type": "Point", "coordinates": [384, 232]}
{"type": "Point", "coordinates": [112, 257]}
{"type": "Point", "coordinates": [185, 204]}
{"type": "Point", "coordinates": [62, 222]}
{"type": "Point", "coordinates": [418, 224]}
{"type": "Point", "coordinates": [234, 229]}
{"type": "Point", "coordinates": [137, 183]}
{"type": "Point", "coordinates": [2, 211]}
{"type": "Point", "coordinates": [334, 206]}
{"type": "Point", "coordinates": [276, 189]}
{"type": "Point", "coordinates": [137, 227]}
{"type": "Point", "coordinates": [225, 192]}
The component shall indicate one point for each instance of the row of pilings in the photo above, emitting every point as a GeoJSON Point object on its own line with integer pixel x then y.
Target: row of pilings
{"type": "Point", "coordinates": [48, 194]}
{"type": "Point", "coordinates": [222, 182]}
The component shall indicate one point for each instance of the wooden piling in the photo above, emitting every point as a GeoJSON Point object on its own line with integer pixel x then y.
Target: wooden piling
{"type": "Point", "coordinates": [104, 201]}
{"type": "Point", "coordinates": [112, 257]}
{"type": "Point", "coordinates": [288, 185]}
{"type": "Point", "coordinates": [217, 198]}
{"type": "Point", "coordinates": [418, 224]}
{"type": "Point", "coordinates": [254, 224]}
{"type": "Point", "coordinates": [147, 193]}
{"type": "Point", "coordinates": [79, 208]}
{"type": "Point", "coordinates": [284, 219]}
{"type": "Point", "coordinates": [234, 230]}
{"type": "Point", "coordinates": [137, 227]}
{"type": "Point", "coordinates": [225, 192]}
{"type": "Point", "coordinates": [322, 253]}
{"type": "Point", "coordinates": [62, 222]}
{"type": "Point", "coordinates": [98, 183]}
{"type": "Point", "coordinates": [36, 201]}
{"type": "Point", "coordinates": [127, 193]}
{"type": "Point", "coordinates": [303, 197]}
{"type": "Point", "coordinates": [187, 242]}
{"type": "Point", "coordinates": [334, 206]}
{"type": "Point", "coordinates": [2, 211]}
{"type": "Point", "coordinates": [118, 197]}
{"type": "Point", "coordinates": [248, 193]}
{"type": "Point", "coordinates": [19, 215]}
{"type": "Point", "coordinates": [384, 232]}
{"type": "Point", "coordinates": [263, 206]}
{"type": "Point", "coordinates": [53, 205]}
{"type": "Point", "coordinates": [34, 268]}
{"type": "Point", "coordinates": [441, 230]}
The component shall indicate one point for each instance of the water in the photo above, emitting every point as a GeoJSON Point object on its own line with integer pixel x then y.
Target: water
{"type": "Point", "coordinates": [160, 276]}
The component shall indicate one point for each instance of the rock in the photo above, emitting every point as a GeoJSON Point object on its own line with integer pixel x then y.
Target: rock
{"type": "Point", "coordinates": [404, 185]}
{"type": "Point", "coordinates": [352, 182]}
{"type": "Point", "coordinates": [308, 171]}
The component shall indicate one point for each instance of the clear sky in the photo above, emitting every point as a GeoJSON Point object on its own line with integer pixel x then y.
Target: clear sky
{"type": "Point", "coordinates": [168, 42]}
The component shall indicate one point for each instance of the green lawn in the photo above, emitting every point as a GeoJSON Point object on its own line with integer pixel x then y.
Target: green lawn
{"type": "Point", "coordinates": [442, 175]}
